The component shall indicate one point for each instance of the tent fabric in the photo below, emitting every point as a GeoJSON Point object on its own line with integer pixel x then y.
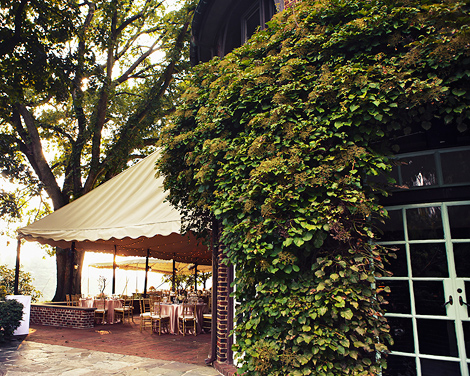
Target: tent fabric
{"type": "Point", "coordinates": [155, 265]}
{"type": "Point", "coordinates": [127, 214]}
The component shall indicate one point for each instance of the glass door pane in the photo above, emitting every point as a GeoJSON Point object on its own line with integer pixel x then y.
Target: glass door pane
{"type": "Point", "coordinates": [431, 367]}
{"type": "Point", "coordinates": [427, 311]}
{"type": "Point", "coordinates": [424, 223]}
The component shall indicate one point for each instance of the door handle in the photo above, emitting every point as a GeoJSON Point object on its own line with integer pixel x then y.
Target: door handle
{"type": "Point", "coordinates": [462, 302]}
{"type": "Point", "coordinates": [450, 301]}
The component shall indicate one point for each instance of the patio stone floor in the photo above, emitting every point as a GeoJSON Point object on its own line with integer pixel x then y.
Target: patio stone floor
{"type": "Point", "coordinates": [118, 349]}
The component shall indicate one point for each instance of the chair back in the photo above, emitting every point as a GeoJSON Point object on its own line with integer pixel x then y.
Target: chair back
{"type": "Point", "coordinates": [75, 299]}
{"type": "Point", "coordinates": [100, 304]}
{"type": "Point", "coordinates": [145, 305]}
{"type": "Point", "coordinates": [189, 310]}
{"type": "Point", "coordinates": [128, 301]}
{"type": "Point", "coordinates": [157, 308]}
{"type": "Point", "coordinates": [209, 303]}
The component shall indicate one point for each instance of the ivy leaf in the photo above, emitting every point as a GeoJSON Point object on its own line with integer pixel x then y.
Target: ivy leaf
{"type": "Point", "coordinates": [347, 314]}
{"type": "Point", "coordinates": [287, 242]}
{"type": "Point", "coordinates": [307, 236]}
{"type": "Point", "coordinates": [299, 242]}
{"type": "Point", "coordinates": [459, 92]}
{"type": "Point", "coordinates": [323, 310]}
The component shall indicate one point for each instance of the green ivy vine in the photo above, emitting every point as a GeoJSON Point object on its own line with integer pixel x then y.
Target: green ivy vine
{"type": "Point", "coordinates": [281, 142]}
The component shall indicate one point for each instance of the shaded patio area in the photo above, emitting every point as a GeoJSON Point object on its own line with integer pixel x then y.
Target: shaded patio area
{"type": "Point", "coordinates": [126, 339]}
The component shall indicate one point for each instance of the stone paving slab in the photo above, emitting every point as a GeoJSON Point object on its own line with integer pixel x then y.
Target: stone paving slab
{"type": "Point", "coordinates": [32, 358]}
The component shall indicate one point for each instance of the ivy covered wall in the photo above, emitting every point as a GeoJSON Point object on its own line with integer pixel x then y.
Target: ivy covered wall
{"type": "Point", "coordinates": [281, 142]}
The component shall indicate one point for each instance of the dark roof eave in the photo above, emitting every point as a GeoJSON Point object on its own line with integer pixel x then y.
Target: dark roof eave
{"type": "Point", "coordinates": [198, 18]}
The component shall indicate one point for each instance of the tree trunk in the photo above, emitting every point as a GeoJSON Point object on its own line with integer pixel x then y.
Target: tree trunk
{"type": "Point", "coordinates": [66, 265]}
{"type": "Point", "coordinates": [62, 262]}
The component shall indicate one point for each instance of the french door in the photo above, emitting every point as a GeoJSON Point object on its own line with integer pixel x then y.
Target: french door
{"type": "Point", "coordinates": [430, 289]}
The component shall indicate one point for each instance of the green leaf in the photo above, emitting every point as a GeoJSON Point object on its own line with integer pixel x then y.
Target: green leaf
{"type": "Point", "coordinates": [347, 314]}
{"type": "Point", "coordinates": [459, 92]}
{"type": "Point", "coordinates": [322, 311]}
{"type": "Point", "coordinates": [299, 242]}
{"type": "Point", "coordinates": [307, 236]}
{"type": "Point", "coordinates": [287, 242]}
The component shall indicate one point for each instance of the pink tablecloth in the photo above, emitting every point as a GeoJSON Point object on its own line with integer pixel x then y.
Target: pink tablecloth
{"type": "Point", "coordinates": [109, 303]}
{"type": "Point", "coordinates": [175, 310]}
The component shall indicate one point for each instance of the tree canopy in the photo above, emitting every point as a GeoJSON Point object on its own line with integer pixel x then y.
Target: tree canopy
{"type": "Point", "coordinates": [282, 141]}
{"type": "Point", "coordinates": [85, 88]}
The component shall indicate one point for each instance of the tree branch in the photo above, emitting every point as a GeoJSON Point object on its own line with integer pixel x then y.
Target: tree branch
{"type": "Point", "coordinates": [136, 121]}
{"type": "Point", "coordinates": [58, 130]}
{"type": "Point", "coordinates": [73, 176]}
{"type": "Point", "coordinates": [35, 155]}
{"type": "Point", "coordinates": [141, 58]}
{"type": "Point", "coordinates": [9, 44]}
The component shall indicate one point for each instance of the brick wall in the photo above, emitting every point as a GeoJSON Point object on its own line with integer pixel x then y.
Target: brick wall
{"type": "Point", "coordinates": [225, 369]}
{"type": "Point", "coordinates": [62, 316]}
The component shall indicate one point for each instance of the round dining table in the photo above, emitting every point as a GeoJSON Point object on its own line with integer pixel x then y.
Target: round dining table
{"type": "Point", "coordinates": [175, 310]}
{"type": "Point", "coordinates": [110, 304]}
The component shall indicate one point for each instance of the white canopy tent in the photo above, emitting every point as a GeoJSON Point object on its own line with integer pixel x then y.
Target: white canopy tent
{"type": "Point", "coordinates": [154, 265]}
{"type": "Point", "coordinates": [127, 215]}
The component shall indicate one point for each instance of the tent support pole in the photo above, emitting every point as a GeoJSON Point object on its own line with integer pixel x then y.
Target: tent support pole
{"type": "Point", "coordinates": [195, 277]}
{"type": "Point", "coordinates": [72, 268]}
{"type": "Point", "coordinates": [146, 272]}
{"type": "Point", "coordinates": [17, 268]}
{"type": "Point", "coordinates": [113, 291]}
{"type": "Point", "coordinates": [173, 282]}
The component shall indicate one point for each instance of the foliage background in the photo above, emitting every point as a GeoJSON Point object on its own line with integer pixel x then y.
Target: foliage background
{"type": "Point", "coordinates": [25, 285]}
{"type": "Point", "coordinates": [282, 141]}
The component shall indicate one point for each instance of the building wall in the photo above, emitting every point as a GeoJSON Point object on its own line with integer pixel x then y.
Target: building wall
{"type": "Point", "coordinates": [224, 324]}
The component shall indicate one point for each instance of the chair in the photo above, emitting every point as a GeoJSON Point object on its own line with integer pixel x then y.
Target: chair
{"type": "Point", "coordinates": [188, 316]}
{"type": "Point", "coordinates": [68, 300]}
{"type": "Point", "coordinates": [158, 320]}
{"type": "Point", "coordinates": [127, 309]}
{"type": "Point", "coordinates": [100, 311]}
{"type": "Point", "coordinates": [145, 313]}
{"type": "Point", "coordinates": [207, 322]}
{"type": "Point", "coordinates": [75, 300]}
